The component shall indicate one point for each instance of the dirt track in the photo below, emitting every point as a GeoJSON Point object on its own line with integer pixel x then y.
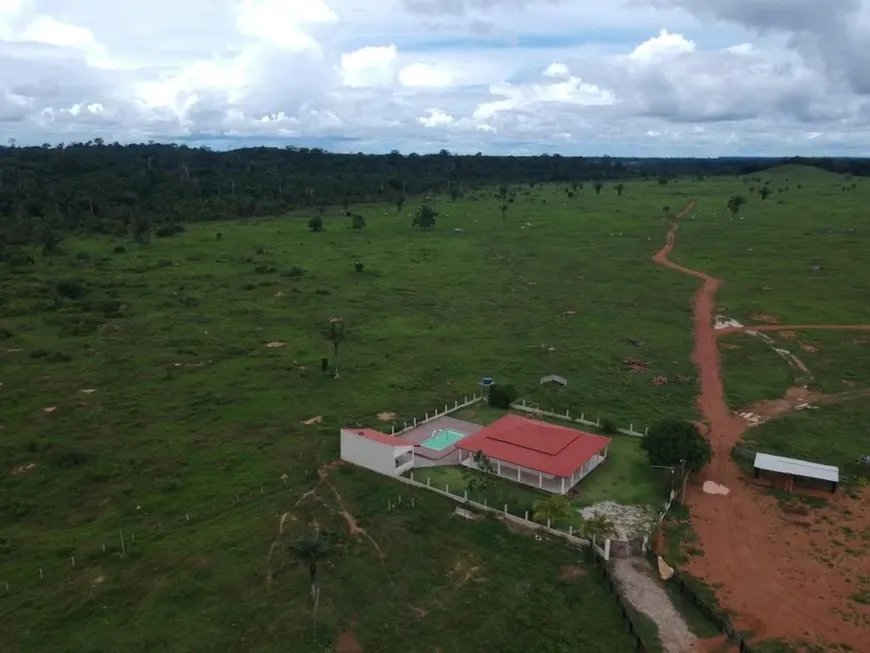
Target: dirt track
{"type": "Point", "coordinates": [784, 577]}
{"type": "Point", "coordinates": [792, 327]}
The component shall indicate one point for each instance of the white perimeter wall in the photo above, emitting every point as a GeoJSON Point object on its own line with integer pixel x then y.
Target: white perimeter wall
{"type": "Point", "coordinates": [376, 456]}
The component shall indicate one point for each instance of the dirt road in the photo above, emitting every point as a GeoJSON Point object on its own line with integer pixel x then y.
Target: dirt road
{"type": "Point", "coordinates": [784, 577]}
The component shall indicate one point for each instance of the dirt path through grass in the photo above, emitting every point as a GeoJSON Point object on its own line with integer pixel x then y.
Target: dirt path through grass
{"type": "Point", "coordinates": [774, 572]}
{"type": "Point", "coordinates": [647, 596]}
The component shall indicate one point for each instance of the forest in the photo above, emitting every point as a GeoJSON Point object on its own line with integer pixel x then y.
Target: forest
{"type": "Point", "coordinates": [96, 187]}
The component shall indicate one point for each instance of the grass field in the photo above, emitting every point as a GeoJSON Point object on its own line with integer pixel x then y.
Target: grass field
{"type": "Point", "coordinates": [833, 435]}
{"type": "Point", "coordinates": [149, 405]}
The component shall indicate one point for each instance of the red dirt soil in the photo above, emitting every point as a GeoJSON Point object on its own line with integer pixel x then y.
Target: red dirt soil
{"type": "Point", "coordinates": [783, 578]}
{"type": "Point", "coordinates": [792, 327]}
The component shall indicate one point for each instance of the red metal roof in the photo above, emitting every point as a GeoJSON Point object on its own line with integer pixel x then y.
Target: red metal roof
{"type": "Point", "coordinates": [548, 448]}
{"type": "Point", "coordinates": [383, 438]}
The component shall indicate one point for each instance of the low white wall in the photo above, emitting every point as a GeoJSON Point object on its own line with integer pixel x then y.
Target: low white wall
{"type": "Point", "coordinates": [428, 417]}
{"type": "Point", "coordinates": [527, 407]}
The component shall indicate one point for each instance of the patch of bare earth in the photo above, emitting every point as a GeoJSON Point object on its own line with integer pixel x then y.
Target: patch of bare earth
{"type": "Point", "coordinates": [463, 571]}
{"type": "Point", "coordinates": [641, 590]}
{"type": "Point", "coordinates": [26, 467]}
{"type": "Point", "coordinates": [763, 317]}
{"type": "Point", "coordinates": [347, 642]}
{"type": "Point", "coordinates": [570, 572]}
{"type": "Point", "coordinates": [386, 416]}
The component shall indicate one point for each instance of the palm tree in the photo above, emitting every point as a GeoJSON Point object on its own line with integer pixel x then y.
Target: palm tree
{"type": "Point", "coordinates": [503, 208]}
{"type": "Point", "coordinates": [335, 333]}
{"type": "Point", "coordinates": [309, 550]}
{"type": "Point", "coordinates": [619, 188]}
{"type": "Point", "coordinates": [553, 509]}
{"type": "Point", "coordinates": [598, 186]}
{"type": "Point", "coordinates": [598, 526]}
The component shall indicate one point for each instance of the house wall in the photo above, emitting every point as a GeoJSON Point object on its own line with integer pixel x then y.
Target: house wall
{"type": "Point", "coordinates": [376, 456]}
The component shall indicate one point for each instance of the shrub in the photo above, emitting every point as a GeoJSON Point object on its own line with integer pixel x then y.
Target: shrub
{"type": "Point", "coordinates": [264, 269]}
{"type": "Point", "coordinates": [502, 396]}
{"type": "Point", "coordinates": [358, 267]}
{"type": "Point", "coordinates": [609, 426]}
{"type": "Point", "coordinates": [120, 249]}
{"type": "Point", "coordinates": [316, 223]}
{"type": "Point", "coordinates": [5, 334]}
{"type": "Point", "coordinates": [70, 288]}
{"type": "Point", "coordinates": [294, 273]}
{"type": "Point", "coordinates": [319, 291]}
{"type": "Point", "coordinates": [83, 256]}
{"type": "Point", "coordinates": [38, 353]}
{"type": "Point", "coordinates": [58, 357]}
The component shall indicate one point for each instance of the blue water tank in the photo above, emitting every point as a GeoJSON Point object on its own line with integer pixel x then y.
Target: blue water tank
{"type": "Point", "coordinates": [487, 380]}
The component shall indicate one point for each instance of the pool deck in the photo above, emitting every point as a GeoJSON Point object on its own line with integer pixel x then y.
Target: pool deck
{"type": "Point", "coordinates": [424, 432]}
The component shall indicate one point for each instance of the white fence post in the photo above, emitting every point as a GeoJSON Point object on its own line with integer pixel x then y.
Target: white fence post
{"type": "Point", "coordinates": [505, 509]}
{"type": "Point", "coordinates": [527, 515]}
{"type": "Point", "coordinates": [607, 549]}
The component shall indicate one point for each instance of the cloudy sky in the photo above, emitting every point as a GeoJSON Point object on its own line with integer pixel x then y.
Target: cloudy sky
{"type": "Point", "coordinates": [590, 77]}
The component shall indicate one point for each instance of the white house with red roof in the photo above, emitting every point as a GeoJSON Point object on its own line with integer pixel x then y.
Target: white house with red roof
{"type": "Point", "coordinates": [542, 455]}
{"type": "Point", "coordinates": [386, 454]}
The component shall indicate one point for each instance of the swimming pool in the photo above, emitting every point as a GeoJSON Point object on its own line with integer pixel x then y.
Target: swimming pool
{"type": "Point", "coordinates": [442, 438]}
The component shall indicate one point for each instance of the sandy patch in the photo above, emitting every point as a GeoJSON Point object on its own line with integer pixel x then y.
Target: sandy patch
{"type": "Point", "coordinates": [314, 420]}
{"type": "Point", "coordinates": [88, 391]}
{"type": "Point", "coordinates": [50, 409]}
{"type": "Point", "coordinates": [714, 488]}
{"type": "Point", "coordinates": [628, 521]}
{"type": "Point", "coordinates": [570, 572]}
{"type": "Point", "coordinates": [275, 343]}
{"type": "Point", "coordinates": [729, 345]}
{"type": "Point", "coordinates": [788, 335]}
{"type": "Point", "coordinates": [420, 612]}
{"type": "Point", "coordinates": [386, 417]}
{"type": "Point", "coordinates": [464, 571]}
{"type": "Point", "coordinates": [23, 468]}
{"type": "Point", "coordinates": [99, 580]}
{"type": "Point", "coordinates": [809, 348]}
{"type": "Point", "coordinates": [763, 317]}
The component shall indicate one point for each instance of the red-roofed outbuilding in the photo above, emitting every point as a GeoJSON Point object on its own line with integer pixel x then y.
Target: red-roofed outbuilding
{"type": "Point", "coordinates": [543, 455]}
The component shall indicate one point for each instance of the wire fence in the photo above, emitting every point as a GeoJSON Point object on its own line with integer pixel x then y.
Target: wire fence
{"type": "Point", "coordinates": [640, 645]}
{"type": "Point", "coordinates": [717, 619]}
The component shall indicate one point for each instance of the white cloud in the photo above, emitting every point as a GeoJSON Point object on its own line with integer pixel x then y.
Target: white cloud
{"type": "Point", "coordinates": [436, 118]}
{"type": "Point", "coordinates": [283, 22]}
{"type": "Point", "coordinates": [557, 70]}
{"type": "Point", "coordinates": [425, 75]}
{"type": "Point", "coordinates": [663, 45]}
{"type": "Point", "coordinates": [369, 66]}
{"type": "Point", "coordinates": [658, 76]}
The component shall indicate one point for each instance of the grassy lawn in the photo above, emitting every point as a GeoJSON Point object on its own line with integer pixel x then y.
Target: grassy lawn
{"type": "Point", "coordinates": [625, 477]}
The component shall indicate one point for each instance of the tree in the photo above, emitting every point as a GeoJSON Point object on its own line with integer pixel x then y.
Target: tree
{"type": "Point", "coordinates": [503, 192]}
{"type": "Point", "coordinates": [736, 203]}
{"type": "Point", "coordinates": [667, 210]}
{"type": "Point", "coordinates": [424, 217]}
{"type": "Point", "coordinates": [400, 203]}
{"type": "Point", "coordinates": [316, 223]}
{"type": "Point", "coordinates": [670, 442]}
{"type": "Point", "coordinates": [502, 396]}
{"type": "Point", "coordinates": [140, 228]}
{"type": "Point", "coordinates": [335, 333]}
{"type": "Point", "coordinates": [598, 186]}
{"type": "Point", "coordinates": [503, 208]}
{"type": "Point", "coordinates": [598, 526]}
{"type": "Point", "coordinates": [357, 221]}
{"type": "Point", "coordinates": [482, 462]}
{"type": "Point", "coordinates": [309, 550]}
{"type": "Point", "coordinates": [765, 192]}
{"type": "Point", "coordinates": [455, 192]}
{"type": "Point", "coordinates": [552, 509]}
{"type": "Point", "coordinates": [619, 188]}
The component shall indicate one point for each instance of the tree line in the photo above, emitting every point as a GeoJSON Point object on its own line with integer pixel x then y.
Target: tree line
{"type": "Point", "coordinates": [95, 187]}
